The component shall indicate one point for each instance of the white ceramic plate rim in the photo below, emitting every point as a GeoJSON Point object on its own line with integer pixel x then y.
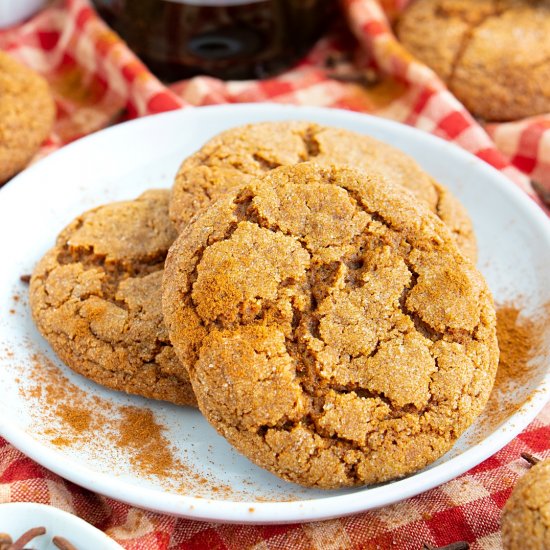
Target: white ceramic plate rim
{"type": "Point", "coordinates": [318, 508]}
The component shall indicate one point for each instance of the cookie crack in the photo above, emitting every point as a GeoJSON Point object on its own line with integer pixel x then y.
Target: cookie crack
{"type": "Point", "coordinates": [459, 336]}
{"type": "Point", "coordinates": [419, 324]}
{"type": "Point", "coordinates": [457, 230]}
{"type": "Point", "coordinates": [248, 212]}
{"type": "Point", "coordinates": [43, 283]}
{"type": "Point", "coordinates": [360, 204]}
{"type": "Point", "coordinates": [467, 39]}
{"type": "Point", "coordinates": [430, 403]}
{"type": "Point", "coordinates": [89, 258]}
{"type": "Point", "coordinates": [363, 393]}
{"type": "Point", "coordinates": [311, 144]}
{"type": "Point", "coordinates": [150, 357]}
{"type": "Point", "coordinates": [158, 347]}
{"type": "Point", "coordinates": [308, 421]}
{"type": "Point", "coordinates": [114, 271]}
{"type": "Point", "coordinates": [306, 374]}
{"type": "Point", "coordinates": [265, 164]}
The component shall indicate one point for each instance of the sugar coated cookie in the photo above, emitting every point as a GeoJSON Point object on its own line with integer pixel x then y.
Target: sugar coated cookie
{"type": "Point", "coordinates": [333, 332]}
{"type": "Point", "coordinates": [240, 154]}
{"type": "Point", "coordinates": [526, 515]}
{"type": "Point", "coordinates": [494, 55]}
{"type": "Point", "coordinates": [27, 112]}
{"type": "Point", "coordinates": [96, 298]}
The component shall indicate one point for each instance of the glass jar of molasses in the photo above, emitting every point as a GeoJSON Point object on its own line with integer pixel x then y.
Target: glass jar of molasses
{"type": "Point", "coordinates": [230, 39]}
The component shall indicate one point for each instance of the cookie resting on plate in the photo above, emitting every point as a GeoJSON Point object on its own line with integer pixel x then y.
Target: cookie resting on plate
{"type": "Point", "coordinates": [241, 154]}
{"type": "Point", "coordinates": [96, 298]}
{"type": "Point", "coordinates": [332, 331]}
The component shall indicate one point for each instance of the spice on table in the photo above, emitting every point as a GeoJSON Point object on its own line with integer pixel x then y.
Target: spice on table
{"type": "Point", "coordinates": [453, 546]}
{"type": "Point", "coordinates": [530, 458]}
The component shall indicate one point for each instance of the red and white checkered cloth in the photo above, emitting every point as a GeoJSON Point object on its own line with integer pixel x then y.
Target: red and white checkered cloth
{"type": "Point", "coordinates": [97, 80]}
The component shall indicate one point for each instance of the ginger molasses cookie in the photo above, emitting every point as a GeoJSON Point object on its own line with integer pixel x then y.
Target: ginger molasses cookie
{"type": "Point", "coordinates": [526, 515]}
{"type": "Point", "coordinates": [240, 154]}
{"type": "Point", "coordinates": [333, 332]}
{"type": "Point", "coordinates": [27, 112]}
{"type": "Point", "coordinates": [494, 55]}
{"type": "Point", "coordinates": [96, 298]}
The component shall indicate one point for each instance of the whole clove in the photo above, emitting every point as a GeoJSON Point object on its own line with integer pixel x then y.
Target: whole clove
{"type": "Point", "coordinates": [530, 458]}
{"type": "Point", "coordinates": [63, 544]}
{"type": "Point", "coordinates": [462, 545]}
{"type": "Point", "coordinates": [25, 538]}
{"type": "Point", "coordinates": [6, 542]}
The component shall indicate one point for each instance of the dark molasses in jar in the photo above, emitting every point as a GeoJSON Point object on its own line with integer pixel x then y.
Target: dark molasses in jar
{"type": "Point", "coordinates": [231, 39]}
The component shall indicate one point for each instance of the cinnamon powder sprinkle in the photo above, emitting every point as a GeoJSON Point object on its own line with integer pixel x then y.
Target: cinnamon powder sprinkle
{"type": "Point", "coordinates": [89, 420]}
{"type": "Point", "coordinates": [78, 418]}
{"type": "Point", "coordinates": [143, 435]}
{"type": "Point", "coordinates": [517, 341]}
{"type": "Point", "coordinates": [520, 339]}
{"type": "Point", "coordinates": [119, 436]}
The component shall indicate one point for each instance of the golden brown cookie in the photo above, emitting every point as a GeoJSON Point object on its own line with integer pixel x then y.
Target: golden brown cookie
{"type": "Point", "coordinates": [240, 154]}
{"type": "Point", "coordinates": [333, 332]}
{"type": "Point", "coordinates": [526, 515]}
{"type": "Point", "coordinates": [96, 298]}
{"type": "Point", "coordinates": [494, 55]}
{"type": "Point", "coordinates": [27, 112]}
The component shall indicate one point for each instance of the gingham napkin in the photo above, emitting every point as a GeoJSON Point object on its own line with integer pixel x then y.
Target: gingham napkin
{"type": "Point", "coordinates": [360, 66]}
{"type": "Point", "coordinates": [95, 78]}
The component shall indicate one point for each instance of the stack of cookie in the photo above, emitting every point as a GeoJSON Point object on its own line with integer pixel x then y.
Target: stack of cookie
{"type": "Point", "coordinates": [319, 302]}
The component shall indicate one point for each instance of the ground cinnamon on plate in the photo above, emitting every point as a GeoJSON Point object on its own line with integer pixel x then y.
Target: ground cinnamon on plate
{"type": "Point", "coordinates": [517, 341]}
{"type": "Point", "coordinates": [78, 418]}
{"type": "Point", "coordinates": [70, 416]}
{"type": "Point", "coordinates": [142, 434]}
{"type": "Point", "coordinates": [520, 339]}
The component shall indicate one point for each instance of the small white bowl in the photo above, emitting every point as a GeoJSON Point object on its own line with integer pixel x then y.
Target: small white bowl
{"type": "Point", "coordinates": [18, 517]}
{"type": "Point", "coordinates": [15, 11]}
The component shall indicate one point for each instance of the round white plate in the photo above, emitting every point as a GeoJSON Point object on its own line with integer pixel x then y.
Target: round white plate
{"type": "Point", "coordinates": [18, 517]}
{"type": "Point", "coordinates": [123, 161]}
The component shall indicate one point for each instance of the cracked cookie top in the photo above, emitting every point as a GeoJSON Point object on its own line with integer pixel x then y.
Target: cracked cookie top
{"type": "Point", "coordinates": [244, 153]}
{"type": "Point", "coordinates": [27, 112]}
{"type": "Point", "coordinates": [96, 298]}
{"type": "Point", "coordinates": [494, 55]}
{"type": "Point", "coordinates": [332, 331]}
{"type": "Point", "coordinates": [526, 515]}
